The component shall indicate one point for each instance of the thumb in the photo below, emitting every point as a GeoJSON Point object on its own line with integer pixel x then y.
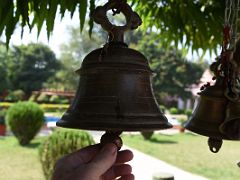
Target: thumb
{"type": "Point", "coordinates": [104, 159]}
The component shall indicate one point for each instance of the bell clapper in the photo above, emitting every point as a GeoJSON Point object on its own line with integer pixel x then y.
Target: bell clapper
{"type": "Point", "coordinates": [214, 144]}
{"type": "Point", "coordinates": [112, 137]}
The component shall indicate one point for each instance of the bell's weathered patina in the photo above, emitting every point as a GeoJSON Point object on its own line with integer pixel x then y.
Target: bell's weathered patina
{"type": "Point", "coordinates": [115, 92]}
{"type": "Point", "coordinates": [209, 114]}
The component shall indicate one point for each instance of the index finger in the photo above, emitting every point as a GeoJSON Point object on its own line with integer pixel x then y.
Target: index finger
{"type": "Point", "coordinates": [81, 156]}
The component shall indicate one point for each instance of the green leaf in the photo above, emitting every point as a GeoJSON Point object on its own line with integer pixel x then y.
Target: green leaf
{"type": "Point", "coordinates": [53, 4]}
{"type": "Point", "coordinates": [22, 9]}
{"type": "Point", "coordinates": [82, 13]}
{"type": "Point", "coordinates": [41, 15]}
{"type": "Point", "coordinates": [90, 23]}
{"type": "Point", "coordinates": [6, 14]}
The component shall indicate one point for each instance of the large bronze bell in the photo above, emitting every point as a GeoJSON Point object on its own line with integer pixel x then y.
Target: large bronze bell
{"type": "Point", "coordinates": [231, 126]}
{"type": "Point", "coordinates": [115, 92]}
{"type": "Point", "coordinates": [209, 114]}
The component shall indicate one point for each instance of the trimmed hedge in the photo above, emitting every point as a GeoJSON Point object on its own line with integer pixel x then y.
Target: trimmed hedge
{"type": "Point", "coordinates": [147, 134]}
{"type": "Point", "coordinates": [60, 143]}
{"type": "Point", "coordinates": [25, 120]}
{"type": "Point", "coordinates": [45, 107]}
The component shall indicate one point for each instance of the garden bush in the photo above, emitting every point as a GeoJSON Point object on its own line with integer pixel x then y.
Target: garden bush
{"type": "Point", "coordinates": [43, 98]}
{"type": "Point", "coordinates": [17, 95]}
{"type": "Point", "coordinates": [10, 97]}
{"type": "Point", "coordinates": [61, 142]}
{"type": "Point", "coordinates": [147, 134]}
{"type": "Point", "coordinates": [64, 101]}
{"type": "Point", "coordinates": [163, 108]}
{"type": "Point", "coordinates": [25, 120]}
{"type": "Point", "coordinates": [188, 112]}
{"type": "Point", "coordinates": [55, 99]}
{"type": "Point", "coordinates": [173, 110]}
{"type": "Point", "coordinates": [33, 97]}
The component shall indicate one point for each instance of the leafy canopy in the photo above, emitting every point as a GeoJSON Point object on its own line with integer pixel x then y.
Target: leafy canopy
{"type": "Point", "coordinates": [27, 67]}
{"type": "Point", "coordinates": [193, 23]}
{"type": "Point", "coordinates": [173, 73]}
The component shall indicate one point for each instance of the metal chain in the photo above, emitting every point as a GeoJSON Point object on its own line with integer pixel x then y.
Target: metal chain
{"type": "Point", "coordinates": [230, 64]}
{"type": "Point", "coordinates": [230, 23]}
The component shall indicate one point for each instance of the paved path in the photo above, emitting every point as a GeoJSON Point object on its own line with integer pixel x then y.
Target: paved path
{"type": "Point", "coordinates": [144, 166]}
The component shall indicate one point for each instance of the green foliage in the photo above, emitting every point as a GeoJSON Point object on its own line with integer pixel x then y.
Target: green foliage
{"type": "Point", "coordinates": [33, 97]}
{"type": "Point", "coordinates": [61, 142]}
{"type": "Point", "coordinates": [12, 12]}
{"type": "Point", "coordinates": [55, 99]}
{"type": "Point", "coordinates": [54, 107]}
{"type": "Point", "coordinates": [4, 83]}
{"type": "Point", "coordinates": [45, 107]}
{"type": "Point", "coordinates": [26, 67]}
{"type": "Point", "coordinates": [188, 112]}
{"type": "Point", "coordinates": [179, 22]}
{"type": "Point", "coordinates": [184, 22]}
{"type": "Point", "coordinates": [43, 98]}
{"type": "Point", "coordinates": [16, 95]}
{"type": "Point", "coordinates": [72, 53]}
{"type": "Point", "coordinates": [173, 73]}
{"type": "Point", "coordinates": [173, 110]}
{"type": "Point", "coordinates": [25, 120]}
{"type": "Point", "coordinates": [147, 134]}
{"type": "Point", "coordinates": [10, 97]}
{"type": "Point", "coordinates": [30, 66]}
{"type": "Point", "coordinates": [19, 94]}
{"type": "Point", "coordinates": [64, 100]}
{"type": "Point", "coordinates": [3, 113]}
{"type": "Point", "coordinates": [58, 99]}
{"type": "Point", "coordinates": [163, 108]}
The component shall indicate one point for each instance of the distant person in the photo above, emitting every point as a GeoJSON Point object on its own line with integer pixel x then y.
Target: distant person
{"type": "Point", "coordinates": [95, 163]}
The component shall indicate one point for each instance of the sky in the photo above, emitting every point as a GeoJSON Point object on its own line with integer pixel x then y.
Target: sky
{"type": "Point", "coordinates": [58, 37]}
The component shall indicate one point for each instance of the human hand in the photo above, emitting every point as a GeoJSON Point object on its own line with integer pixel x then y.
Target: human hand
{"type": "Point", "coordinates": [95, 163]}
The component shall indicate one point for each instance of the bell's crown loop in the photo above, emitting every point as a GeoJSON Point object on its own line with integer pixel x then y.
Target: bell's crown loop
{"type": "Point", "coordinates": [116, 33]}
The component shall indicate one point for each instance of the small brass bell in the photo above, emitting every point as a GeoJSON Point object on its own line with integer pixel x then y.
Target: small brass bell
{"type": "Point", "coordinates": [209, 114]}
{"type": "Point", "coordinates": [115, 92]}
{"type": "Point", "coordinates": [231, 126]}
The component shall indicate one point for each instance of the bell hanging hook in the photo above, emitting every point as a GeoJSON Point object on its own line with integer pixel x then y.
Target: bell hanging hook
{"type": "Point", "coordinates": [116, 33]}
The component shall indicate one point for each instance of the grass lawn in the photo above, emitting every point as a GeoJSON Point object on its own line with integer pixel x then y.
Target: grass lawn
{"type": "Point", "coordinates": [19, 163]}
{"type": "Point", "coordinates": [190, 152]}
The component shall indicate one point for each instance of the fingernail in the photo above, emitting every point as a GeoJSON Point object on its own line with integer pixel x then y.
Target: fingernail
{"type": "Point", "coordinates": [110, 147]}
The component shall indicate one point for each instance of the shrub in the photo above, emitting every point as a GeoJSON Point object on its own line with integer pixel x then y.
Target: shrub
{"type": "Point", "coordinates": [55, 107]}
{"type": "Point", "coordinates": [16, 95]}
{"type": "Point", "coordinates": [163, 108]}
{"type": "Point", "coordinates": [33, 97]}
{"type": "Point", "coordinates": [19, 94]}
{"type": "Point", "coordinates": [147, 134]}
{"type": "Point", "coordinates": [173, 110]}
{"type": "Point", "coordinates": [188, 112]}
{"type": "Point", "coordinates": [25, 120]}
{"type": "Point", "coordinates": [181, 111]}
{"type": "Point", "coordinates": [55, 99]}
{"type": "Point", "coordinates": [10, 97]}
{"type": "Point", "coordinates": [64, 101]}
{"type": "Point", "coordinates": [61, 142]}
{"type": "Point", "coordinates": [43, 98]}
